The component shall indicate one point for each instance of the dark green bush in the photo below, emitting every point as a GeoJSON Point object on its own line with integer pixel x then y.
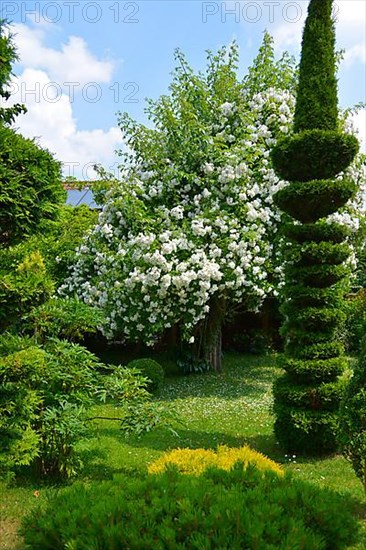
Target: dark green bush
{"type": "Point", "coordinates": [306, 431]}
{"type": "Point", "coordinates": [325, 395]}
{"type": "Point", "coordinates": [355, 326]}
{"type": "Point", "coordinates": [317, 319]}
{"type": "Point", "coordinates": [228, 510]}
{"type": "Point", "coordinates": [311, 253]}
{"type": "Point", "coordinates": [66, 318]}
{"type": "Point", "coordinates": [315, 199]}
{"type": "Point", "coordinates": [321, 231]}
{"type": "Point", "coordinates": [313, 370]}
{"type": "Point", "coordinates": [352, 432]}
{"type": "Point", "coordinates": [152, 370]}
{"type": "Point", "coordinates": [319, 350]}
{"type": "Point", "coordinates": [302, 296]}
{"type": "Point", "coordinates": [31, 188]}
{"type": "Point", "coordinates": [318, 276]}
{"type": "Point", "coordinates": [313, 155]}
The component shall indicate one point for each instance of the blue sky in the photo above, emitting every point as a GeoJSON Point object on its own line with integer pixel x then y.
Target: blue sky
{"type": "Point", "coordinates": [81, 61]}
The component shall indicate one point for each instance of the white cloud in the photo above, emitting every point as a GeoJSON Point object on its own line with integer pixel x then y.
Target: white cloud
{"type": "Point", "coordinates": [50, 117]}
{"type": "Point", "coordinates": [73, 62]}
{"type": "Point", "coordinates": [359, 121]}
{"type": "Point", "coordinates": [54, 125]}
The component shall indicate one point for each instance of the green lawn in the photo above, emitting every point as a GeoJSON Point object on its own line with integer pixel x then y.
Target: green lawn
{"type": "Point", "coordinates": [232, 408]}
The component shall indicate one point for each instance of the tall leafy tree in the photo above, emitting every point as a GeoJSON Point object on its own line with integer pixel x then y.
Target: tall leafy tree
{"type": "Point", "coordinates": [314, 159]}
{"type": "Point", "coordinates": [187, 235]}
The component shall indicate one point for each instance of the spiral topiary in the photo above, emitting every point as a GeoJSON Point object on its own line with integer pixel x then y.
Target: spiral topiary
{"type": "Point", "coordinates": [307, 396]}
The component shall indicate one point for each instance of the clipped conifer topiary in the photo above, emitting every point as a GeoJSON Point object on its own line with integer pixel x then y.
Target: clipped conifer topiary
{"type": "Point", "coordinates": [307, 396]}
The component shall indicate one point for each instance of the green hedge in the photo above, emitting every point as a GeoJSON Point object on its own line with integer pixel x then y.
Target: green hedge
{"type": "Point", "coordinates": [227, 510]}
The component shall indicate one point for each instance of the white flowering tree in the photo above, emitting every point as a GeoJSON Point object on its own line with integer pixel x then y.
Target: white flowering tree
{"type": "Point", "coordinates": [188, 234]}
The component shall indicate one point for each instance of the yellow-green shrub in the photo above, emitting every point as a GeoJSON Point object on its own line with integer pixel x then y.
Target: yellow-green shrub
{"type": "Point", "coordinates": [196, 461]}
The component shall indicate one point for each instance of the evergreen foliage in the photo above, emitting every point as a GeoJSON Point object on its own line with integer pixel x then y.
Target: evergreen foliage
{"type": "Point", "coordinates": [218, 509]}
{"type": "Point", "coordinates": [307, 396]}
{"type": "Point", "coordinates": [317, 101]}
{"type": "Point", "coordinates": [31, 188]}
{"type": "Point", "coordinates": [352, 434]}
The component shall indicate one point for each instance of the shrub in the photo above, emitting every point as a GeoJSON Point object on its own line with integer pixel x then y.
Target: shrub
{"type": "Point", "coordinates": [44, 393]}
{"type": "Point", "coordinates": [152, 370]}
{"type": "Point", "coordinates": [62, 318]}
{"type": "Point", "coordinates": [352, 433]}
{"type": "Point", "coordinates": [25, 285]}
{"type": "Point", "coordinates": [10, 343]}
{"type": "Point", "coordinates": [219, 509]}
{"type": "Point", "coordinates": [196, 461]}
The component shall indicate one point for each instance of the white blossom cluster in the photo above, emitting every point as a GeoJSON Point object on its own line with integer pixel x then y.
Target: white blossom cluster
{"type": "Point", "coordinates": [171, 238]}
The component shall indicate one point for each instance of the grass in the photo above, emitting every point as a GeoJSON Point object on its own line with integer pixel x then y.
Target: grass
{"type": "Point", "coordinates": [233, 408]}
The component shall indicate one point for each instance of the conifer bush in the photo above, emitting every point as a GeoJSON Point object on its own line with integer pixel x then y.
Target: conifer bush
{"type": "Point", "coordinates": [197, 461]}
{"type": "Point", "coordinates": [233, 509]}
{"type": "Point", "coordinates": [312, 159]}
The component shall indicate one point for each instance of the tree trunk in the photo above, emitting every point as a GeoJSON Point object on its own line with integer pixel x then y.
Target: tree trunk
{"type": "Point", "coordinates": [208, 339]}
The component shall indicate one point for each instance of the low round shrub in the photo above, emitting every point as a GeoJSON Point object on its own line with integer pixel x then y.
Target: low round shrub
{"type": "Point", "coordinates": [309, 201]}
{"type": "Point", "coordinates": [313, 154]}
{"type": "Point", "coordinates": [196, 461]}
{"type": "Point", "coordinates": [150, 369]}
{"type": "Point", "coordinates": [220, 509]}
